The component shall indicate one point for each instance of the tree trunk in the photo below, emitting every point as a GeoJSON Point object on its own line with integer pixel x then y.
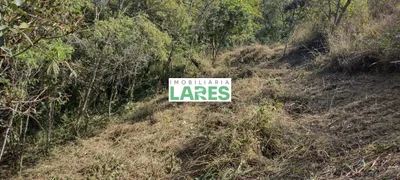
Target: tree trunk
{"type": "Point", "coordinates": [340, 11]}
{"type": "Point", "coordinates": [86, 98]}
{"type": "Point", "coordinates": [291, 27]}
{"type": "Point", "coordinates": [7, 132]}
{"type": "Point", "coordinates": [112, 97]}
{"type": "Point", "coordinates": [49, 126]}
{"type": "Point", "coordinates": [214, 51]}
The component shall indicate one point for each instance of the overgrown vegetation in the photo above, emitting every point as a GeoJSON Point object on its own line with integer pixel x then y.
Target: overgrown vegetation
{"type": "Point", "coordinates": [360, 35]}
{"type": "Point", "coordinates": [70, 67]}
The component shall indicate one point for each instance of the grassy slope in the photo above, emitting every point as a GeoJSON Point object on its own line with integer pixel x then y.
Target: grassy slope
{"type": "Point", "coordinates": [286, 121]}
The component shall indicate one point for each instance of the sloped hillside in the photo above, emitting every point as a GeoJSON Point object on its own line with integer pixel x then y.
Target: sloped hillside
{"type": "Point", "coordinates": [286, 121]}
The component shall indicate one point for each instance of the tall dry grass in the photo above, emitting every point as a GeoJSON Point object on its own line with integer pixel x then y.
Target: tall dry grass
{"type": "Point", "coordinates": [367, 36]}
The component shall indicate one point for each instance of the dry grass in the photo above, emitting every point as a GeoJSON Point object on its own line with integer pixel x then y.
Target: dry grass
{"type": "Point", "coordinates": [356, 113]}
{"type": "Point", "coordinates": [364, 42]}
{"type": "Point", "coordinates": [281, 124]}
{"type": "Point", "coordinates": [125, 151]}
{"type": "Point", "coordinates": [244, 62]}
{"type": "Point", "coordinates": [366, 39]}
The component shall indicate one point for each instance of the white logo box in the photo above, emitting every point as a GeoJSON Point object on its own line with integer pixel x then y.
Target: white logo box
{"type": "Point", "coordinates": [200, 89]}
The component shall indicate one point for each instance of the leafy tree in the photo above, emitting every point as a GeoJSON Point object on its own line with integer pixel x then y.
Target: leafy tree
{"type": "Point", "coordinates": [274, 22]}
{"type": "Point", "coordinates": [31, 64]}
{"type": "Point", "coordinates": [118, 56]}
{"type": "Point", "coordinates": [231, 22]}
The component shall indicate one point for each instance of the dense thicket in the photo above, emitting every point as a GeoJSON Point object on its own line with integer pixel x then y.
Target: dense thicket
{"type": "Point", "coordinates": [63, 61]}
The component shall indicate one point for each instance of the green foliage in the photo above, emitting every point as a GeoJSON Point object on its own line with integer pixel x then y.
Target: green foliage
{"type": "Point", "coordinates": [158, 42]}
{"type": "Point", "coordinates": [125, 50]}
{"type": "Point", "coordinates": [171, 16]}
{"type": "Point", "coordinates": [121, 55]}
{"type": "Point", "coordinates": [34, 67]}
{"type": "Point", "coordinates": [24, 29]}
{"type": "Point", "coordinates": [120, 33]}
{"type": "Point", "coordinates": [232, 22]}
{"type": "Point", "coordinates": [52, 53]}
{"type": "Point", "coordinates": [273, 25]}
